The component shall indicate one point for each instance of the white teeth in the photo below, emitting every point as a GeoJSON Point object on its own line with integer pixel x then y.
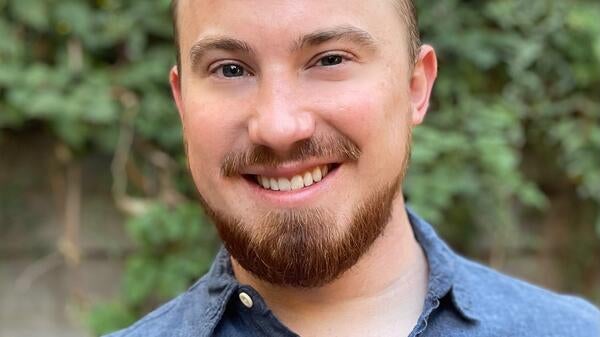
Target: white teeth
{"type": "Point", "coordinates": [317, 175]}
{"type": "Point", "coordinates": [273, 184]}
{"type": "Point", "coordinates": [308, 180]}
{"type": "Point", "coordinates": [284, 184]}
{"type": "Point", "coordinates": [297, 182]}
{"type": "Point", "coordinates": [265, 182]}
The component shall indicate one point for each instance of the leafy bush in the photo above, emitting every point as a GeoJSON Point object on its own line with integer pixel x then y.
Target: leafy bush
{"type": "Point", "coordinates": [173, 247]}
{"type": "Point", "coordinates": [515, 111]}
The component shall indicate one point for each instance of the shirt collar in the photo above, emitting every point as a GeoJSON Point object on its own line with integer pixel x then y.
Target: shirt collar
{"type": "Point", "coordinates": [216, 289]}
{"type": "Point", "coordinates": [445, 277]}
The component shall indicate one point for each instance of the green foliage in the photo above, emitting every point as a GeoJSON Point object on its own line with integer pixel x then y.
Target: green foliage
{"type": "Point", "coordinates": [76, 66]}
{"type": "Point", "coordinates": [110, 317]}
{"type": "Point", "coordinates": [514, 121]}
{"type": "Point", "coordinates": [516, 101]}
{"type": "Point", "coordinates": [173, 247]}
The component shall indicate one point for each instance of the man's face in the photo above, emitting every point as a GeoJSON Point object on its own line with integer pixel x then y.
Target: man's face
{"type": "Point", "coordinates": [297, 119]}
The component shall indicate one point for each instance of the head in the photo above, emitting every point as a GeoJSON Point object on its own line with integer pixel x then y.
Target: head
{"type": "Point", "coordinates": [297, 118]}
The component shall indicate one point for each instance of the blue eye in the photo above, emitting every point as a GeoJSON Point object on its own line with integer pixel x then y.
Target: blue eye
{"type": "Point", "coordinates": [330, 60]}
{"type": "Point", "coordinates": [232, 70]}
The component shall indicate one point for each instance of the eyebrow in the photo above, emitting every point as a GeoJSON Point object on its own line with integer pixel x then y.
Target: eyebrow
{"type": "Point", "coordinates": [207, 44]}
{"type": "Point", "coordinates": [346, 32]}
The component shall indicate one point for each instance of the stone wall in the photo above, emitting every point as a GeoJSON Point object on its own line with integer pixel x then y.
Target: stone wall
{"type": "Point", "coordinates": [49, 278]}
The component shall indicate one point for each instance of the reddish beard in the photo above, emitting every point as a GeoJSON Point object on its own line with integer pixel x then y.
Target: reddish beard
{"type": "Point", "coordinates": [305, 247]}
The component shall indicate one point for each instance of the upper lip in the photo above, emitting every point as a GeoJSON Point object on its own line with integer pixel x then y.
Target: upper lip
{"type": "Point", "coordinates": [289, 169]}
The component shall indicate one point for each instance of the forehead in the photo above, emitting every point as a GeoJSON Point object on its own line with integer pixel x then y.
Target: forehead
{"type": "Point", "coordinates": [280, 21]}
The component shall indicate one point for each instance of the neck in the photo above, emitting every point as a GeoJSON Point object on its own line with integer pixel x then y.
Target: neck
{"type": "Point", "coordinates": [392, 273]}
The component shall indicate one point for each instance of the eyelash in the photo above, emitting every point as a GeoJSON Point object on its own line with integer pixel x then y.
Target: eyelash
{"type": "Point", "coordinates": [344, 55]}
{"type": "Point", "coordinates": [219, 67]}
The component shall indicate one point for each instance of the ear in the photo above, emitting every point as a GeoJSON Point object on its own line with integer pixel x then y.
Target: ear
{"type": "Point", "coordinates": [175, 81]}
{"type": "Point", "coordinates": [421, 82]}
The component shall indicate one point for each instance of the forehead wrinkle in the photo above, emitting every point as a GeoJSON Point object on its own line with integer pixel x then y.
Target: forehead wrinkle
{"type": "Point", "coordinates": [224, 43]}
{"type": "Point", "coordinates": [344, 32]}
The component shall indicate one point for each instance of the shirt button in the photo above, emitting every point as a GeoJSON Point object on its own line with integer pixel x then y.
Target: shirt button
{"type": "Point", "coordinates": [246, 300]}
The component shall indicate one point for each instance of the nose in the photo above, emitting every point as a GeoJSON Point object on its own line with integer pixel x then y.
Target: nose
{"type": "Point", "coordinates": [279, 120]}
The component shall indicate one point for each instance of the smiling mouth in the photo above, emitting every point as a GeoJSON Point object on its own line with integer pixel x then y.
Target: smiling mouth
{"type": "Point", "coordinates": [296, 182]}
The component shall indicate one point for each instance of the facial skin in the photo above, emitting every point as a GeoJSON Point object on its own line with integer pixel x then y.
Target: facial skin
{"type": "Point", "coordinates": [347, 98]}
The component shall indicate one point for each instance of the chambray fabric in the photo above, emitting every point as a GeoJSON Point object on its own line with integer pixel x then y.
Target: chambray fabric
{"type": "Point", "coordinates": [464, 298]}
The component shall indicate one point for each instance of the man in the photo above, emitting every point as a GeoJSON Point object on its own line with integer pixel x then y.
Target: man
{"type": "Point", "coordinates": [297, 117]}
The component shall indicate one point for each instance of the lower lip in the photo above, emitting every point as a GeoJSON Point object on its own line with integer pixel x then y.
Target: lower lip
{"type": "Point", "coordinates": [293, 198]}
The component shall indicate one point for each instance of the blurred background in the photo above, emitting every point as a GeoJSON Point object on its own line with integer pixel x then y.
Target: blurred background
{"type": "Point", "coordinates": [98, 222]}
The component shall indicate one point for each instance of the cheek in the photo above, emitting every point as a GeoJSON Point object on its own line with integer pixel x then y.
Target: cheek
{"type": "Point", "coordinates": [373, 114]}
{"type": "Point", "coordinates": [352, 108]}
{"type": "Point", "coordinates": [209, 133]}
{"type": "Point", "coordinates": [368, 111]}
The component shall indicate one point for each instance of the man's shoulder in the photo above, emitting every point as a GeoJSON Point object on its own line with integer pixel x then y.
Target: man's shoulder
{"type": "Point", "coordinates": [153, 324]}
{"type": "Point", "coordinates": [173, 317]}
{"type": "Point", "coordinates": [507, 305]}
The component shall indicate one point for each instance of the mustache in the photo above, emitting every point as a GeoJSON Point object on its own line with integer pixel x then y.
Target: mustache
{"type": "Point", "coordinates": [339, 147]}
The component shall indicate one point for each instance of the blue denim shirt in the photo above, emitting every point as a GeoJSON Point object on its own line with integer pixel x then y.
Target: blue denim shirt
{"type": "Point", "coordinates": [463, 299]}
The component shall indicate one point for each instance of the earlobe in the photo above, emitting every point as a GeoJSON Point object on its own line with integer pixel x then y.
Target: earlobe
{"type": "Point", "coordinates": [175, 81]}
{"type": "Point", "coordinates": [421, 83]}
